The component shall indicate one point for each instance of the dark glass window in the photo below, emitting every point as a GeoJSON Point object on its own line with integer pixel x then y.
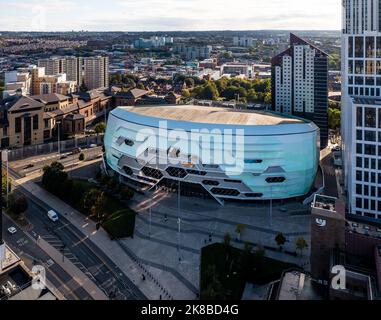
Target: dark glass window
{"type": "Point", "coordinates": [370, 136]}
{"type": "Point", "coordinates": [378, 51]}
{"type": "Point", "coordinates": [359, 47]}
{"type": "Point", "coordinates": [359, 134]}
{"type": "Point", "coordinates": [359, 148]}
{"type": "Point", "coordinates": [369, 47]}
{"type": "Point", "coordinates": [359, 67]}
{"type": "Point", "coordinates": [370, 149]}
{"type": "Point", "coordinates": [359, 120]}
{"type": "Point", "coordinates": [369, 67]}
{"type": "Point", "coordinates": [350, 47]}
{"type": "Point", "coordinates": [370, 117]}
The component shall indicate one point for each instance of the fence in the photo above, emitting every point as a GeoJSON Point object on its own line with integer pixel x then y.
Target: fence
{"type": "Point", "coordinates": [65, 145]}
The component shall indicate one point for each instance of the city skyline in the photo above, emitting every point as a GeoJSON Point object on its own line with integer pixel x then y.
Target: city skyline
{"type": "Point", "coordinates": [169, 15]}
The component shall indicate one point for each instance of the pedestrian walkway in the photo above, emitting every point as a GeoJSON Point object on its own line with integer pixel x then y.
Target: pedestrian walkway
{"type": "Point", "coordinates": [167, 288]}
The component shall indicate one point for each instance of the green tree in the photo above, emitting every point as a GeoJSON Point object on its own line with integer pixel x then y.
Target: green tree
{"type": "Point", "coordinates": [334, 118]}
{"type": "Point", "coordinates": [280, 239]}
{"type": "Point", "coordinates": [189, 82]}
{"type": "Point", "coordinates": [301, 244]}
{"type": "Point", "coordinates": [209, 92]}
{"type": "Point", "coordinates": [100, 128]}
{"type": "Point", "coordinates": [94, 201]}
{"type": "Point", "coordinates": [56, 181]}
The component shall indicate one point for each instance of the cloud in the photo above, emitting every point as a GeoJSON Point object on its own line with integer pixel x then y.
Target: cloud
{"type": "Point", "coordinates": [144, 15]}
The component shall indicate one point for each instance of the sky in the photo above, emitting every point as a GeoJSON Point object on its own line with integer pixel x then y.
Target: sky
{"type": "Point", "coordinates": [169, 15]}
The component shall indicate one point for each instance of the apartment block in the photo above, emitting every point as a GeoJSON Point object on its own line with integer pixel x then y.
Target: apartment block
{"type": "Point", "coordinates": [300, 84]}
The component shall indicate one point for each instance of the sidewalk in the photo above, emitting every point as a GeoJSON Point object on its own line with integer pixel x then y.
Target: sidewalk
{"type": "Point", "coordinates": [153, 288]}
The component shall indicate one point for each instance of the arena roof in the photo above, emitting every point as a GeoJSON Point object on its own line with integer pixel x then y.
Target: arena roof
{"type": "Point", "coordinates": [213, 115]}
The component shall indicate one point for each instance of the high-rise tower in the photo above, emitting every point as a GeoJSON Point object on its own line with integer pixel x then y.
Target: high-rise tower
{"type": "Point", "coordinates": [361, 106]}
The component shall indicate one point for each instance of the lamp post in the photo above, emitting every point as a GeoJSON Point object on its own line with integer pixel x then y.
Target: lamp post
{"type": "Point", "coordinates": [59, 140]}
{"type": "Point", "coordinates": [178, 221]}
{"type": "Point", "coordinates": [2, 244]}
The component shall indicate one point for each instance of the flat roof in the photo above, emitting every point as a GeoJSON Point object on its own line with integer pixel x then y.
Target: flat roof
{"type": "Point", "coordinates": [296, 285]}
{"type": "Point", "coordinates": [213, 115]}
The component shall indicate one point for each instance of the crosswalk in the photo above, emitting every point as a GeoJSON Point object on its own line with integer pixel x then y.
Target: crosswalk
{"type": "Point", "coordinates": [108, 286]}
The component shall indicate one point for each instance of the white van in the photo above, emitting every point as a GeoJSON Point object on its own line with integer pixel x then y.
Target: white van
{"type": "Point", "coordinates": [52, 215]}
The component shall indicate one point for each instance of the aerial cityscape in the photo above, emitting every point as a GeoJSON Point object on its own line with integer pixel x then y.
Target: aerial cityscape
{"type": "Point", "coordinates": [173, 156]}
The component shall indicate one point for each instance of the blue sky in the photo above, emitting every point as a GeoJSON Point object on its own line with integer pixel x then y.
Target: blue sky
{"type": "Point", "coordinates": [168, 15]}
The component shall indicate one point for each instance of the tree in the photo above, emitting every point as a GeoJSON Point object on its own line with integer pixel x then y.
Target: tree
{"type": "Point", "coordinates": [100, 128]}
{"type": "Point", "coordinates": [21, 204]}
{"type": "Point", "coordinates": [94, 201]}
{"type": "Point", "coordinates": [189, 82]}
{"type": "Point", "coordinates": [280, 239]}
{"type": "Point", "coordinates": [56, 181]}
{"type": "Point", "coordinates": [334, 118]}
{"type": "Point", "coordinates": [240, 228]}
{"type": "Point", "coordinates": [209, 92]}
{"type": "Point", "coordinates": [16, 206]}
{"type": "Point", "coordinates": [301, 244]}
{"type": "Point", "coordinates": [4, 183]}
{"type": "Point", "coordinates": [185, 94]}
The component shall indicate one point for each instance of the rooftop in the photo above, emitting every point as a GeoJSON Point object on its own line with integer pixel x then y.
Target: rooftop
{"type": "Point", "coordinates": [214, 115]}
{"type": "Point", "coordinates": [296, 285]}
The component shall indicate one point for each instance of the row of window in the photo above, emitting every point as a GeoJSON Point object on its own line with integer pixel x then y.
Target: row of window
{"type": "Point", "coordinates": [368, 204]}
{"type": "Point", "coordinates": [368, 177]}
{"type": "Point", "coordinates": [368, 191]}
{"type": "Point", "coordinates": [368, 149]}
{"type": "Point", "coordinates": [366, 117]}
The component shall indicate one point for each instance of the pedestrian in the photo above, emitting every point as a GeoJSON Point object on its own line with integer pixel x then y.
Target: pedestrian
{"type": "Point", "coordinates": [165, 218]}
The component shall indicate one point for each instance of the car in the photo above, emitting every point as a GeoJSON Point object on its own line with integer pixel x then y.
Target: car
{"type": "Point", "coordinates": [93, 145]}
{"type": "Point", "coordinates": [30, 165]}
{"type": "Point", "coordinates": [76, 151]}
{"type": "Point", "coordinates": [12, 230]}
{"type": "Point", "coordinates": [52, 215]}
{"type": "Point", "coordinates": [63, 157]}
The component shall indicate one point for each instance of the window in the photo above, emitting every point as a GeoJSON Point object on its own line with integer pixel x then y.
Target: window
{"type": "Point", "coordinates": [35, 122]}
{"type": "Point", "coordinates": [370, 149]}
{"type": "Point", "coordinates": [18, 125]}
{"type": "Point", "coordinates": [254, 195]}
{"type": "Point", "coordinates": [46, 123]}
{"type": "Point", "coordinates": [275, 179]}
{"type": "Point", "coordinates": [359, 120]}
{"type": "Point", "coordinates": [370, 136]}
{"type": "Point", "coordinates": [153, 173]}
{"type": "Point", "coordinates": [197, 172]}
{"type": "Point", "coordinates": [370, 117]}
{"type": "Point", "coordinates": [378, 51]}
{"type": "Point", "coordinates": [129, 142]}
{"type": "Point", "coordinates": [359, 67]}
{"type": "Point", "coordinates": [359, 47]}
{"type": "Point", "coordinates": [210, 182]}
{"type": "Point", "coordinates": [369, 47]}
{"type": "Point", "coordinates": [359, 148]}
{"type": "Point", "coordinates": [359, 134]}
{"type": "Point", "coordinates": [252, 161]}
{"type": "Point", "coordinates": [369, 67]}
{"type": "Point", "coordinates": [225, 192]}
{"type": "Point", "coordinates": [232, 181]}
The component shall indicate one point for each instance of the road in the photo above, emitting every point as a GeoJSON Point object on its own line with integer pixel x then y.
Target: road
{"type": "Point", "coordinates": [80, 251]}
{"type": "Point", "coordinates": [29, 165]}
{"type": "Point", "coordinates": [23, 244]}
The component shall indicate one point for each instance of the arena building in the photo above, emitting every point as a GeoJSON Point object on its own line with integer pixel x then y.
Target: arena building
{"type": "Point", "coordinates": [215, 152]}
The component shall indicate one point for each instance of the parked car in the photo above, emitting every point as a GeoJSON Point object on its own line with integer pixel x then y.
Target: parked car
{"type": "Point", "coordinates": [12, 230]}
{"type": "Point", "coordinates": [76, 151]}
{"type": "Point", "coordinates": [93, 145]}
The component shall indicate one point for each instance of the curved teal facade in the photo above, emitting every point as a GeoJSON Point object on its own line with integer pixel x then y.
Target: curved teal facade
{"type": "Point", "coordinates": [270, 161]}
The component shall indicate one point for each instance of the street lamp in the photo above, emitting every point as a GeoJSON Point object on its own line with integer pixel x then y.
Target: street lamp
{"type": "Point", "coordinates": [178, 221]}
{"type": "Point", "coordinates": [59, 140]}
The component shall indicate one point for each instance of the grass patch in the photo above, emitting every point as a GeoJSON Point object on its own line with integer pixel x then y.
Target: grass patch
{"type": "Point", "coordinates": [226, 270]}
{"type": "Point", "coordinates": [120, 224]}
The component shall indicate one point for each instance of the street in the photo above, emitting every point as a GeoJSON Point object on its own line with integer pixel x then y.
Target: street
{"type": "Point", "coordinates": [79, 250]}
{"type": "Point", "coordinates": [23, 244]}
